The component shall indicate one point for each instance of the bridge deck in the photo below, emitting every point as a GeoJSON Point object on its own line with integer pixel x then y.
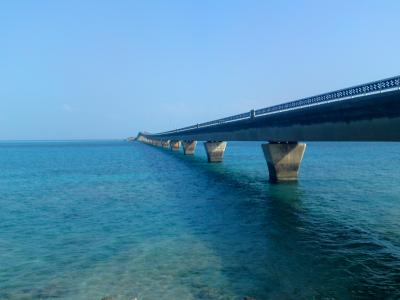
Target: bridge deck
{"type": "Point", "coordinates": [369, 112]}
{"type": "Point", "coordinates": [372, 117]}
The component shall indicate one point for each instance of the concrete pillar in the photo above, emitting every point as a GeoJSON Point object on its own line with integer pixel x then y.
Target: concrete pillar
{"type": "Point", "coordinates": [283, 160]}
{"type": "Point", "coordinates": [215, 151]}
{"type": "Point", "coordinates": [165, 144]}
{"type": "Point", "coordinates": [189, 147]}
{"type": "Point", "coordinates": [175, 145]}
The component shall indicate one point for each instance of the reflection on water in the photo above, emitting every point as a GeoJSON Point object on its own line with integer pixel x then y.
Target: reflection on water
{"type": "Point", "coordinates": [83, 220]}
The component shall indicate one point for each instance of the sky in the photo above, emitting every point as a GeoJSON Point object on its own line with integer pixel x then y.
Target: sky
{"type": "Point", "coordinates": [108, 69]}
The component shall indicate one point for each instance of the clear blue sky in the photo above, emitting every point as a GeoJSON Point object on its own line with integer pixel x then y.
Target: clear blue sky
{"type": "Point", "coordinates": [107, 69]}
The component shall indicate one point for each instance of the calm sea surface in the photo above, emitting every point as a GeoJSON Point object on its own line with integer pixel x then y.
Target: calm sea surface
{"type": "Point", "coordinates": [85, 220]}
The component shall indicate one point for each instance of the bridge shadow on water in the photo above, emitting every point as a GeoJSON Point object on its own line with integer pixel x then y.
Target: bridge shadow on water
{"type": "Point", "coordinates": [287, 251]}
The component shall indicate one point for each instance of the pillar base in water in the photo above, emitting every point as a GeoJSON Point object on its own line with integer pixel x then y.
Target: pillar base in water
{"type": "Point", "coordinates": [165, 144]}
{"type": "Point", "coordinates": [189, 147]}
{"type": "Point", "coordinates": [215, 151]}
{"type": "Point", "coordinates": [175, 145]}
{"type": "Point", "coordinates": [283, 160]}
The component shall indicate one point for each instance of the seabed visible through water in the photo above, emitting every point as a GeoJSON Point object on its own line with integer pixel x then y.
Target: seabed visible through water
{"type": "Point", "coordinates": [91, 219]}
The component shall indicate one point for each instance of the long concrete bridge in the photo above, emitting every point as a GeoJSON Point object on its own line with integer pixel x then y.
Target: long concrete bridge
{"type": "Point", "coordinates": [366, 112]}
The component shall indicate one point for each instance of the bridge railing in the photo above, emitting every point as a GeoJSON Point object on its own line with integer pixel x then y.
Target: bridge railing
{"type": "Point", "coordinates": [379, 86]}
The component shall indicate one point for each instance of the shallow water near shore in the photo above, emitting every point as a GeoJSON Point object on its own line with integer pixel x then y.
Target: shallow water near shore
{"type": "Point", "coordinates": [89, 219]}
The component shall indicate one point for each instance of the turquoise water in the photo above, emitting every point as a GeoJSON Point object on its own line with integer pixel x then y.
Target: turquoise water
{"type": "Point", "coordinates": [85, 220]}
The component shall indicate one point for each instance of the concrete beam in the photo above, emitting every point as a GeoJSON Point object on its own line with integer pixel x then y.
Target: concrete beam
{"type": "Point", "coordinates": [215, 151]}
{"type": "Point", "coordinates": [374, 117]}
{"type": "Point", "coordinates": [283, 160]}
{"type": "Point", "coordinates": [175, 145]}
{"type": "Point", "coordinates": [189, 147]}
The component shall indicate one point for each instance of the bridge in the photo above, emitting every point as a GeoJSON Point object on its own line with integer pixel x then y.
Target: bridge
{"type": "Point", "coordinates": [366, 112]}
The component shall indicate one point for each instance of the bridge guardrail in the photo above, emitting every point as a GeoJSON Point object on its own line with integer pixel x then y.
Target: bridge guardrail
{"type": "Point", "coordinates": [351, 92]}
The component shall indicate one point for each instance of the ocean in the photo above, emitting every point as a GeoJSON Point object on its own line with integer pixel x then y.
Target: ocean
{"type": "Point", "coordinates": [96, 219]}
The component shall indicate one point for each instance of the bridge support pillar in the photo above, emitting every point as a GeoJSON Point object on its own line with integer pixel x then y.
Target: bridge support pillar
{"type": "Point", "coordinates": [215, 151]}
{"type": "Point", "coordinates": [175, 145]}
{"type": "Point", "coordinates": [165, 144]}
{"type": "Point", "coordinates": [189, 147]}
{"type": "Point", "coordinates": [283, 160]}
